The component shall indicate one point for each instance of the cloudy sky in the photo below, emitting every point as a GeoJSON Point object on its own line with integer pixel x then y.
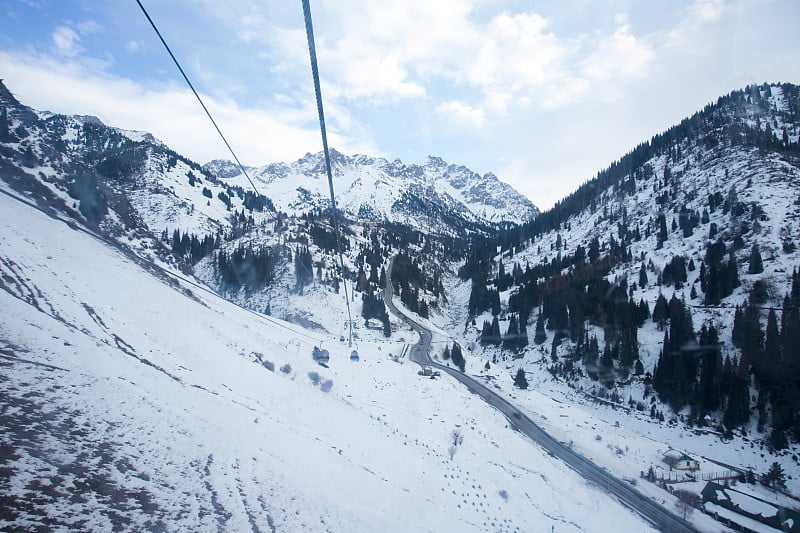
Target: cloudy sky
{"type": "Point", "coordinates": [543, 94]}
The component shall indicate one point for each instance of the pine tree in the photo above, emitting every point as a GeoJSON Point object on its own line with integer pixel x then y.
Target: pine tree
{"type": "Point", "coordinates": [710, 370]}
{"type": "Point", "coordinates": [540, 335]}
{"type": "Point", "coordinates": [495, 332]}
{"type": "Point", "coordinates": [737, 412]}
{"type": "Point", "coordinates": [520, 381]}
{"type": "Point", "coordinates": [512, 333]}
{"type": "Point", "coordinates": [522, 338]}
{"type": "Point", "coordinates": [661, 310]}
{"type": "Point", "coordinates": [774, 477]}
{"type": "Point", "coordinates": [457, 356]}
{"type": "Point", "coordinates": [756, 265]}
{"type": "Point", "coordinates": [663, 233]}
{"type": "Point", "coordinates": [643, 277]}
{"type": "Point", "coordinates": [486, 332]}
{"type": "Point", "coordinates": [752, 336]}
{"type": "Point", "coordinates": [772, 345]}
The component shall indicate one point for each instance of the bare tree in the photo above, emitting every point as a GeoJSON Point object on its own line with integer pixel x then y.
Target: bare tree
{"type": "Point", "coordinates": [457, 437]}
{"type": "Point", "coordinates": [686, 503]}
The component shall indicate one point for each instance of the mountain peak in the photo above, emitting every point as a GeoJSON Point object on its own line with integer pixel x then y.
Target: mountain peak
{"type": "Point", "coordinates": [390, 191]}
{"type": "Point", "coordinates": [5, 95]}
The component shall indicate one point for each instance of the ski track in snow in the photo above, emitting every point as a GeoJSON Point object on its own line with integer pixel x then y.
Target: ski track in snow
{"type": "Point", "coordinates": [206, 437]}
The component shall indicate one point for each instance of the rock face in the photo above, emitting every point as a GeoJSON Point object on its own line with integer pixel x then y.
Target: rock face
{"type": "Point", "coordinates": [433, 195]}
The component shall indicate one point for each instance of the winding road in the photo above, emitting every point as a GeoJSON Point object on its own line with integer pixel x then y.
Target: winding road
{"type": "Point", "coordinates": [659, 516]}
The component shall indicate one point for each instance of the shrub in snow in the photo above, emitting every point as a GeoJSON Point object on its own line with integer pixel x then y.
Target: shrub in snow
{"type": "Point", "coordinates": [314, 377]}
{"type": "Point", "coordinates": [286, 369]}
{"type": "Point", "coordinates": [326, 385]}
{"type": "Point", "coordinates": [269, 365]}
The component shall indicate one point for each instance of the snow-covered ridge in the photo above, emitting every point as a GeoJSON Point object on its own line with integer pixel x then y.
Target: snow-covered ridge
{"type": "Point", "coordinates": [368, 187]}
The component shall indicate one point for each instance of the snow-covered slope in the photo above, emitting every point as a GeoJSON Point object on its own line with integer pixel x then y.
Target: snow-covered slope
{"type": "Point", "coordinates": [730, 175]}
{"type": "Point", "coordinates": [127, 183]}
{"type": "Point", "coordinates": [367, 188]}
{"type": "Point", "coordinates": [133, 399]}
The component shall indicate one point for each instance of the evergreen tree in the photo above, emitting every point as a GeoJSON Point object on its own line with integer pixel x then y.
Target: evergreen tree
{"type": "Point", "coordinates": [643, 277]}
{"type": "Point", "coordinates": [457, 356]}
{"type": "Point", "coordinates": [643, 313]}
{"type": "Point", "coordinates": [663, 233]}
{"type": "Point", "coordinates": [774, 477]}
{"type": "Point", "coordinates": [512, 334]}
{"type": "Point", "coordinates": [737, 412]}
{"type": "Point", "coordinates": [540, 335]}
{"type": "Point", "coordinates": [756, 265]}
{"type": "Point", "coordinates": [303, 267]}
{"type": "Point", "coordinates": [660, 311]}
{"type": "Point", "coordinates": [594, 250]}
{"type": "Point", "coordinates": [752, 336]}
{"type": "Point", "coordinates": [592, 352]}
{"type": "Point", "coordinates": [486, 332]}
{"type": "Point", "coordinates": [522, 339]}
{"type": "Point", "coordinates": [772, 348]}
{"type": "Point", "coordinates": [710, 371]}
{"type": "Point", "coordinates": [520, 381]}
{"type": "Point", "coordinates": [495, 332]}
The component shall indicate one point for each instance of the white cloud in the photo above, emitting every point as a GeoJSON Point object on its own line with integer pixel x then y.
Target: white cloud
{"type": "Point", "coordinates": [133, 46]}
{"type": "Point", "coordinates": [706, 10]}
{"type": "Point", "coordinates": [461, 113]}
{"type": "Point", "coordinates": [88, 27]}
{"type": "Point", "coordinates": [66, 41]}
{"type": "Point", "coordinates": [618, 58]}
{"type": "Point", "coordinates": [171, 112]}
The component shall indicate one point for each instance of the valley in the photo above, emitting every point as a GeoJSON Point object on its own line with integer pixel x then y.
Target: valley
{"type": "Point", "coordinates": [163, 326]}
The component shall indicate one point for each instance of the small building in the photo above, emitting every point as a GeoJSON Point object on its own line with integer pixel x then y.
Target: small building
{"type": "Point", "coordinates": [681, 461]}
{"type": "Point", "coordinates": [744, 512]}
{"type": "Point", "coordinates": [687, 463]}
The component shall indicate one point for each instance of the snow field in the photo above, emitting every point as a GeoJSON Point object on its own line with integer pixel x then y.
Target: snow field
{"type": "Point", "coordinates": [180, 423]}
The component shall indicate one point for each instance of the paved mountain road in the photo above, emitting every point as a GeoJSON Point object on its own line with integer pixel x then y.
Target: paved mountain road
{"type": "Point", "coordinates": [651, 511]}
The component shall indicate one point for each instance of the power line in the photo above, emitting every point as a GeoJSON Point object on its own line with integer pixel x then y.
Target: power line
{"type": "Point", "coordinates": [189, 83]}
{"type": "Point", "coordinates": [312, 52]}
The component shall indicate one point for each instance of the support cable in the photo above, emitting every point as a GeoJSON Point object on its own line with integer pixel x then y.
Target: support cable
{"type": "Point", "coordinates": [189, 83]}
{"type": "Point", "coordinates": [312, 52]}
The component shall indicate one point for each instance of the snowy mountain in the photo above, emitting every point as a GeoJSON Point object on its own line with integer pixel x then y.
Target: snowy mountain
{"type": "Point", "coordinates": [126, 184]}
{"type": "Point", "coordinates": [145, 389]}
{"type": "Point", "coordinates": [133, 398]}
{"type": "Point", "coordinates": [424, 196]}
{"type": "Point", "coordinates": [668, 284]}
